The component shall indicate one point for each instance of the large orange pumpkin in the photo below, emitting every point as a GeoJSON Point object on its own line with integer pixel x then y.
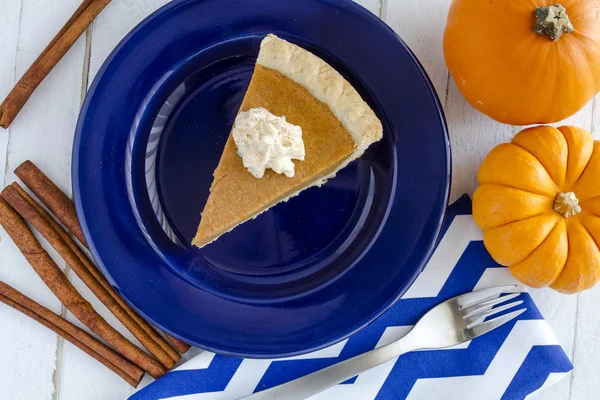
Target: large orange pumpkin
{"type": "Point", "coordinates": [539, 207]}
{"type": "Point", "coordinates": [525, 61]}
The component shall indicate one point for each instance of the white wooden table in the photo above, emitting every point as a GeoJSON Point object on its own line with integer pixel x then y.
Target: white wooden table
{"type": "Point", "coordinates": [36, 364]}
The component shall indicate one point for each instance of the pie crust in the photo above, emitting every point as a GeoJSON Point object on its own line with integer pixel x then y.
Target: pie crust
{"type": "Point", "coordinates": [337, 127]}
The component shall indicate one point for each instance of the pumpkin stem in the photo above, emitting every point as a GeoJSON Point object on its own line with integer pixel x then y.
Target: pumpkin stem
{"type": "Point", "coordinates": [553, 21]}
{"type": "Point", "coordinates": [567, 204]}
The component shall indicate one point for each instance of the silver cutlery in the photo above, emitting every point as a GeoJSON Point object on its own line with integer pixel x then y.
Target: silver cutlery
{"type": "Point", "coordinates": [450, 323]}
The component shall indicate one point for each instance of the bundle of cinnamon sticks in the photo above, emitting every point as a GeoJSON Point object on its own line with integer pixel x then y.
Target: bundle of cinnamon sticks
{"type": "Point", "coordinates": [16, 208]}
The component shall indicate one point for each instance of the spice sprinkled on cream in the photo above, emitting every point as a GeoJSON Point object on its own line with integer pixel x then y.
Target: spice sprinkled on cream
{"type": "Point", "coordinates": [264, 140]}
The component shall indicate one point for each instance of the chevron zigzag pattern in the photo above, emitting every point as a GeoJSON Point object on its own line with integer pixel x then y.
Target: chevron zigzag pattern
{"type": "Point", "coordinates": [511, 362]}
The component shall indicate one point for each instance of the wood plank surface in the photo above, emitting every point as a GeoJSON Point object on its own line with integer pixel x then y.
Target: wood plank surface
{"type": "Point", "coordinates": [41, 365]}
{"type": "Point", "coordinates": [43, 132]}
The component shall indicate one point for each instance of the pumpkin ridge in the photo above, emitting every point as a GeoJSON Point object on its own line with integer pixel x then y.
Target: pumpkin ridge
{"type": "Point", "coordinates": [564, 185]}
{"type": "Point", "coordinates": [556, 226]}
{"type": "Point", "coordinates": [588, 233]}
{"type": "Point", "coordinates": [591, 213]}
{"type": "Point", "coordinates": [542, 242]}
{"type": "Point", "coordinates": [567, 258]}
{"type": "Point", "coordinates": [576, 182]}
{"type": "Point", "coordinates": [522, 190]}
{"type": "Point", "coordinates": [555, 222]}
{"type": "Point", "coordinates": [529, 192]}
{"type": "Point", "coordinates": [569, 287]}
{"type": "Point", "coordinates": [499, 165]}
{"type": "Point", "coordinates": [523, 219]}
{"type": "Point", "coordinates": [587, 210]}
{"type": "Point", "coordinates": [557, 184]}
{"type": "Point", "coordinates": [570, 134]}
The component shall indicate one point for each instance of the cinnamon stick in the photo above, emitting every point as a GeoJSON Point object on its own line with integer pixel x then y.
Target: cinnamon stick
{"type": "Point", "coordinates": [181, 347]}
{"type": "Point", "coordinates": [31, 215]}
{"type": "Point", "coordinates": [63, 208]}
{"type": "Point", "coordinates": [51, 196]}
{"type": "Point", "coordinates": [52, 54]}
{"type": "Point", "coordinates": [58, 283]}
{"type": "Point", "coordinates": [84, 5]}
{"type": "Point", "coordinates": [149, 338]}
{"type": "Point", "coordinates": [86, 342]}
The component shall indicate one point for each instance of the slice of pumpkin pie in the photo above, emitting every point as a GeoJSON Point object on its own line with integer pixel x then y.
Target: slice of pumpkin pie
{"type": "Point", "coordinates": [299, 123]}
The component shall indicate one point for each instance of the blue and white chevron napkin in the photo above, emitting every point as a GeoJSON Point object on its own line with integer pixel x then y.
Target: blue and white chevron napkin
{"type": "Point", "coordinates": [511, 362]}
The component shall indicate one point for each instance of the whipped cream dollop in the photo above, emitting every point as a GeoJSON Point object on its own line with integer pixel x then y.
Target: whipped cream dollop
{"type": "Point", "coordinates": [265, 140]}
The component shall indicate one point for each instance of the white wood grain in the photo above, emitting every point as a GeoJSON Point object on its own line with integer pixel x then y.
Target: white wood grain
{"type": "Point", "coordinates": [43, 132]}
{"type": "Point", "coordinates": [596, 118]}
{"type": "Point", "coordinates": [107, 31]}
{"type": "Point", "coordinates": [472, 136]}
{"type": "Point", "coordinates": [114, 23]}
{"type": "Point", "coordinates": [79, 373]}
{"type": "Point", "coordinates": [584, 383]}
{"type": "Point", "coordinates": [82, 374]}
{"type": "Point", "coordinates": [560, 312]}
{"type": "Point", "coordinates": [9, 33]}
{"type": "Point", "coordinates": [586, 349]}
{"type": "Point", "coordinates": [372, 5]}
{"type": "Point", "coordinates": [421, 25]}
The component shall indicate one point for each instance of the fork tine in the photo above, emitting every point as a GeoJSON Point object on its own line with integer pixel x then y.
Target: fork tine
{"type": "Point", "coordinates": [487, 305]}
{"type": "Point", "coordinates": [470, 299]}
{"type": "Point", "coordinates": [496, 322]}
{"type": "Point", "coordinates": [494, 311]}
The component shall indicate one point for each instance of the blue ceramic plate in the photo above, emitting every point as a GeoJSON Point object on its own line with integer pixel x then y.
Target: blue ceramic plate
{"type": "Point", "coordinates": [308, 272]}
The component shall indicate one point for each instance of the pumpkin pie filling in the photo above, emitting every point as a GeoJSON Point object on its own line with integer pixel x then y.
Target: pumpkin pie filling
{"type": "Point", "coordinates": [236, 195]}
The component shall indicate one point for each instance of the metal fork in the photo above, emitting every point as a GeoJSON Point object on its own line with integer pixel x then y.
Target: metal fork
{"type": "Point", "coordinates": [450, 323]}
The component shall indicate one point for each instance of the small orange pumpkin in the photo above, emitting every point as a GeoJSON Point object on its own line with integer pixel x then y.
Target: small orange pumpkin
{"type": "Point", "coordinates": [525, 61]}
{"type": "Point", "coordinates": [539, 207]}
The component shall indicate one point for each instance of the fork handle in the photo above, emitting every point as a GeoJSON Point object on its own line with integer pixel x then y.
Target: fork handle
{"type": "Point", "coordinates": [310, 385]}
